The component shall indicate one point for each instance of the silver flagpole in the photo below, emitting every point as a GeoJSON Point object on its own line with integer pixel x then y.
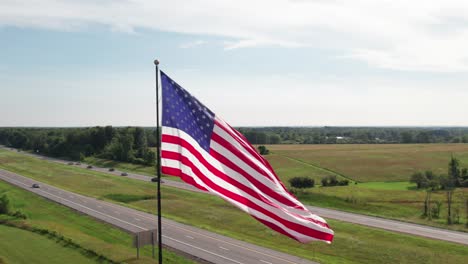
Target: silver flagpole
{"type": "Point", "coordinates": [158, 162]}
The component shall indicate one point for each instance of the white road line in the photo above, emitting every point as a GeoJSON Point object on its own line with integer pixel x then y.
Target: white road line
{"type": "Point", "coordinates": [82, 206]}
{"type": "Point", "coordinates": [264, 261]}
{"type": "Point", "coordinates": [187, 244]}
{"type": "Point", "coordinates": [141, 214]}
{"type": "Point", "coordinates": [189, 237]}
{"type": "Point", "coordinates": [223, 248]}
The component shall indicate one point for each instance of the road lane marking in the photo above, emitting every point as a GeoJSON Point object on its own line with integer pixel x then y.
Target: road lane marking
{"type": "Point", "coordinates": [142, 215]}
{"type": "Point", "coordinates": [187, 244]}
{"type": "Point", "coordinates": [223, 248]}
{"type": "Point", "coordinates": [189, 237]}
{"type": "Point", "coordinates": [61, 198]}
{"type": "Point", "coordinates": [264, 261]}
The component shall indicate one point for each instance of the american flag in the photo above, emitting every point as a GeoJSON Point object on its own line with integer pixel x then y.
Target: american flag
{"type": "Point", "coordinates": [204, 151]}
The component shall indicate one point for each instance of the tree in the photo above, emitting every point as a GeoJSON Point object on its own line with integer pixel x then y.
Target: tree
{"type": "Point", "coordinates": [263, 150]}
{"type": "Point", "coordinates": [454, 171]}
{"type": "Point", "coordinates": [302, 182]}
{"type": "Point", "coordinates": [420, 180]}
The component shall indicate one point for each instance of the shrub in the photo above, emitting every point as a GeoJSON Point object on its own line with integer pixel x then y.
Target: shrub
{"type": "Point", "coordinates": [263, 150]}
{"type": "Point", "coordinates": [324, 181]}
{"type": "Point", "coordinates": [4, 204]}
{"type": "Point", "coordinates": [343, 183]}
{"type": "Point", "coordinates": [19, 214]}
{"type": "Point", "coordinates": [331, 180]}
{"type": "Point", "coordinates": [302, 182]}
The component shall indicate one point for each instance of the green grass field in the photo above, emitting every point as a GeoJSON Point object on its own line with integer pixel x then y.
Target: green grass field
{"type": "Point", "coordinates": [352, 244]}
{"type": "Point", "coordinates": [384, 163]}
{"type": "Point", "coordinates": [122, 166]}
{"type": "Point", "coordinates": [19, 246]}
{"type": "Point", "coordinates": [85, 231]}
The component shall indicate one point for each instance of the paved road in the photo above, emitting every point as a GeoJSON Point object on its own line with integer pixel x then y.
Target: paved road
{"type": "Point", "coordinates": [376, 222]}
{"type": "Point", "coordinates": [202, 244]}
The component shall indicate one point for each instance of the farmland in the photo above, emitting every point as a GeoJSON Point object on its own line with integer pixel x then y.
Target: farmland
{"type": "Point", "coordinates": [381, 163]}
{"type": "Point", "coordinates": [352, 244]}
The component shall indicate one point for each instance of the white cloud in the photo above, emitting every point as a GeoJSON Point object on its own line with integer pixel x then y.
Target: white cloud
{"type": "Point", "coordinates": [394, 34]}
{"type": "Point", "coordinates": [192, 44]}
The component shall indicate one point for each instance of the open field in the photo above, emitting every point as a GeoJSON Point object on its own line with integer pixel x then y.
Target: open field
{"type": "Point", "coordinates": [396, 200]}
{"type": "Point", "coordinates": [353, 243]}
{"type": "Point", "coordinates": [19, 246]}
{"type": "Point", "coordinates": [83, 230]}
{"type": "Point", "coordinates": [364, 163]}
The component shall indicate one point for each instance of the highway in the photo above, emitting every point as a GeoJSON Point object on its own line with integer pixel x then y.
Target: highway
{"type": "Point", "coordinates": [204, 245]}
{"type": "Point", "coordinates": [376, 222]}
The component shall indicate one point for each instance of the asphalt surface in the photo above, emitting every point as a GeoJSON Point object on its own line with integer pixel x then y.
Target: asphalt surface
{"type": "Point", "coordinates": [199, 243]}
{"type": "Point", "coordinates": [376, 222]}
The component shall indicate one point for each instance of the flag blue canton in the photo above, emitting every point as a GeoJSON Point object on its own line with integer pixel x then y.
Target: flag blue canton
{"type": "Point", "coordinates": [183, 111]}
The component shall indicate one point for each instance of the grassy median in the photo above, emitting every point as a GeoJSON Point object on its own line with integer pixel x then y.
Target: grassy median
{"type": "Point", "coordinates": [19, 246]}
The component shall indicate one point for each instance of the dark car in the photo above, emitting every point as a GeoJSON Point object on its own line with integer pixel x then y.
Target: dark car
{"type": "Point", "coordinates": [111, 169]}
{"type": "Point", "coordinates": [78, 163]}
{"type": "Point", "coordinates": [70, 163]}
{"type": "Point", "coordinates": [89, 167]}
{"type": "Point", "coordinates": [155, 179]}
{"type": "Point", "coordinates": [124, 174]}
{"type": "Point", "coordinates": [35, 185]}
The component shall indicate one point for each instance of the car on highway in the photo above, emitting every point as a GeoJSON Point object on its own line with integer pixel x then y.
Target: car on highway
{"type": "Point", "coordinates": [111, 169]}
{"type": "Point", "coordinates": [70, 163]}
{"type": "Point", "coordinates": [124, 174]}
{"type": "Point", "coordinates": [35, 185]}
{"type": "Point", "coordinates": [89, 167]}
{"type": "Point", "coordinates": [155, 179]}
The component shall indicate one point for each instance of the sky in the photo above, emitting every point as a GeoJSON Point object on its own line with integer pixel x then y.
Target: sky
{"type": "Point", "coordinates": [254, 63]}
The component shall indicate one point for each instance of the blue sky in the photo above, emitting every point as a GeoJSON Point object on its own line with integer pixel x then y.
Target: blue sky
{"type": "Point", "coordinates": [255, 63]}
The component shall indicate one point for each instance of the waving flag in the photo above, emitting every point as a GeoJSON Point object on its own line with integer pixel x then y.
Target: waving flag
{"type": "Point", "coordinates": [203, 150]}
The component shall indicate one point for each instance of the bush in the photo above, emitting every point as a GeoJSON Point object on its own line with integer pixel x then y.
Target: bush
{"type": "Point", "coordinates": [19, 214]}
{"type": "Point", "coordinates": [4, 204]}
{"type": "Point", "coordinates": [343, 183]}
{"type": "Point", "coordinates": [263, 150]}
{"type": "Point", "coordinates": [332, 181]}
{"type": "Point", "coordinates": [302, 182]}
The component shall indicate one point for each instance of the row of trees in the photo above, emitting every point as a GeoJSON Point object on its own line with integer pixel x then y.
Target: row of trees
{"type": "Point", "coordinates": [429, 181]}
{"type": "Point", "coordinates": [354, 135]}
{"type": "Point", "coordinates": [129, 144]}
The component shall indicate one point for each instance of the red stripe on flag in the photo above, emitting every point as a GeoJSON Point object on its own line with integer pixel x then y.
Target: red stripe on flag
{"type": "Point", "coordinates": [266, 190]}
{"type": "Point", "coordinates": [243, 200]}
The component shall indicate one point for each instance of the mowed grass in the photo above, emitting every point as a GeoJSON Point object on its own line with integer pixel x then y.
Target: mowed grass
{"type": "Point", "coordinates": [85, 231]}
{"type": "Point", "coordinates": [373, 162]}
{"type": "Point", "coordinates": [122, 166]}
{"type": "Point", "coordinates": [287, 168]}
{"type": "Point", "coordinates": [352, 244]}
{"type": "Point", "coordinates": [19, 246]}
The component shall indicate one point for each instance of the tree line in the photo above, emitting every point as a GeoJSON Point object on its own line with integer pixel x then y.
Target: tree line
{"type": "Point", "coordinates": [354, 135]}
{"type": "Point", "coordinates": [128, 144]}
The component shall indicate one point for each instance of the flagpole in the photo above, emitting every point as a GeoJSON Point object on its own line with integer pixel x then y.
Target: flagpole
{"type": "Point", "coordinates": [158, 162]}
